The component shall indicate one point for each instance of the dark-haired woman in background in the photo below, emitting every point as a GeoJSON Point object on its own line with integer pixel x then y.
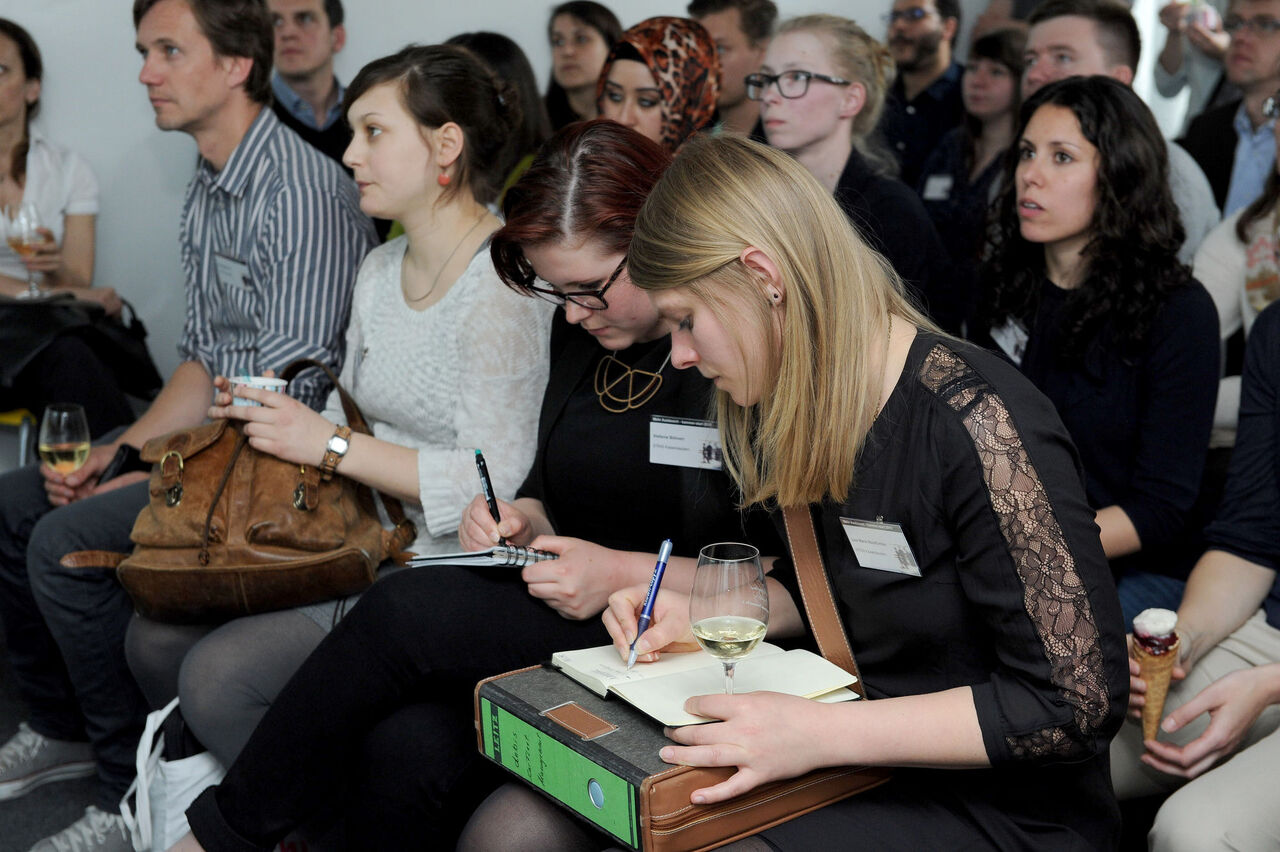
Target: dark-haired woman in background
{"type": "Point", "coordinates": [662, 79]}
{"type": "Point", "coordinates": [65, 192]}
{"type": "Point", "coordinates": [581, 33]}
{"type": "Point", "coordinates": [1086, 293]}
{"type": "Point", "coordinates": [505, 58]}
{"type": "Point", "coordinates": [957, 181]}
{"type": "Point", "coordinates": [381, 714]}
{"type": "Point", "coordinates": [434, 339]}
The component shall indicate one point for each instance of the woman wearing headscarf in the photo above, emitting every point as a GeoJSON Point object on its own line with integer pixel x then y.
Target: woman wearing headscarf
{"type": "Point", "coordinates": [662, 79]}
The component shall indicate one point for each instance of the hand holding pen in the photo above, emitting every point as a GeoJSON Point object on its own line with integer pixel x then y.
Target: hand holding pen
{"type": "Point", "coordinates": [486, 488]}
{"type": "Point", "coordinates": [646, 612]}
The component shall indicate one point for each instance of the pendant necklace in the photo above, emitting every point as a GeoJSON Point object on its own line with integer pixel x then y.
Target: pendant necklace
{"type": "Point", "coordinates": [413, 299]}
{"type": "Point", "coordinates": [617, 387]}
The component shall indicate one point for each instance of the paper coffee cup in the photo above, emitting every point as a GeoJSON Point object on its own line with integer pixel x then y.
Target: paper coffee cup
{"type": "Point", "coordinates": [259, 382]}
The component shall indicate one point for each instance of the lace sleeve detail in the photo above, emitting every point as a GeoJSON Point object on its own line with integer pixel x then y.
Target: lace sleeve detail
{"type": "Point", "coordinates": [1054, 595]}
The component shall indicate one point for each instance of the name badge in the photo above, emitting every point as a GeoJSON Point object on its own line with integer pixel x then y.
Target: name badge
{"type": "Point", "coordinates": [685, 442]}
{"type": "Point", "coordinates": [231, 272]}
{"type": "Point", "coordinates": [937, 187]}
{"type": "Point", "coordinates": [881, 546]}
{"type": "Point", "coordinates": [1012, 338]}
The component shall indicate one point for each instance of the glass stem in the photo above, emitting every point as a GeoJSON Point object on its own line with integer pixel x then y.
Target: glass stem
{"type": "Point", "coordinates": [728, 678]}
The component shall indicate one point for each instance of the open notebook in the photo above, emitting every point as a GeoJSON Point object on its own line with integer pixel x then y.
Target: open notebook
{"type": "Point", "coordinates": [660, 689]}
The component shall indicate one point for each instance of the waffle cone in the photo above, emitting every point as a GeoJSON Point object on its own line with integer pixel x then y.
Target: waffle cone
{"type": "Point", "coordinates": [1157, 670]}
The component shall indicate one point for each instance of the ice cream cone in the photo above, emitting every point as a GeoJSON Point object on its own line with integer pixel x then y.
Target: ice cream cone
{"type": "Point", "coordinates": [1157, 670]}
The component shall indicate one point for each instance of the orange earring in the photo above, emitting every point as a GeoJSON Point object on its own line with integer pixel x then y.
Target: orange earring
{"type": "Point", "coordinates": [443, 179]}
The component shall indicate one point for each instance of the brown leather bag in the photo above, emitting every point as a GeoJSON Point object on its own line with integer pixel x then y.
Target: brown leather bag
{"type": "Point", "coordinates": [230, 531]}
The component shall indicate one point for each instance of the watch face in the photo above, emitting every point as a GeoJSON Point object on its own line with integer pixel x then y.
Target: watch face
{"type": "Point", "coordinates": [338, 444]}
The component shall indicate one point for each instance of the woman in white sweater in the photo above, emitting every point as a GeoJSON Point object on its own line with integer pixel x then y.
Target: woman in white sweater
{"type": "Point", "coordinates": [441, 356]}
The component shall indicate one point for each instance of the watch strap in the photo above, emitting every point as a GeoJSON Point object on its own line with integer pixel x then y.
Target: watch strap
{"type": "Point", "coordinates": [331, 456]}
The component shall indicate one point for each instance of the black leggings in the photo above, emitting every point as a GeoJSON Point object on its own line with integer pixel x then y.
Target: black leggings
{"type": "Point", "coordinates": [378, 722]}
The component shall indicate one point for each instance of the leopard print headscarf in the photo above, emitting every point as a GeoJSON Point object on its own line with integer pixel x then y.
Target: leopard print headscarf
{"type": "Point", "coordinates": [683, 60]}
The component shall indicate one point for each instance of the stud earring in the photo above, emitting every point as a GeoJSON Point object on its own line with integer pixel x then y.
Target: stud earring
{"type": "Point", "coordinates": [443, 179]}
{"type": "Point", "coordinates": [775, 295]}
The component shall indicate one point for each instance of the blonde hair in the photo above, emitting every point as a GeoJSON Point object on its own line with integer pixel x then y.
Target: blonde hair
{"type": "Point", "coordinates": [859, 57]}
{"type": "Point", "coordinates": [799, 443]}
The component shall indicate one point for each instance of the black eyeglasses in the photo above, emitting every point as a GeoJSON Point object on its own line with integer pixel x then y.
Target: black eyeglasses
{"type": "Point", "coordinates": [1263, 25]}
{"type": "Point", "coordinates": [791, 84]}
{"type": "Point", "coordinates": [912, 14]}
{"type": "Point", "coordinates": [592, 300]}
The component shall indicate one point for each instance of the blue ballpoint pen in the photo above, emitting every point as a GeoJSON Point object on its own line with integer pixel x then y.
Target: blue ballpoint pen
{"type": "Point", "coordinates": [646, 613]}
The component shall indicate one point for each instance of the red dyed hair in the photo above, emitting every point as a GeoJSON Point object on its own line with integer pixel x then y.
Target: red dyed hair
{"type": "Point", "coordinates": [588, 181]}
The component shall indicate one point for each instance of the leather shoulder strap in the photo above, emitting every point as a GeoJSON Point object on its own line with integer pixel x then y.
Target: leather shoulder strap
{"type": "Point", "coordinates": [815, 591]}
{"type": "Point", "coordinates": [355, 419]}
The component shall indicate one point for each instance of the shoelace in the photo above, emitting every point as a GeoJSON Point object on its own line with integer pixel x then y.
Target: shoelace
{"type": "Point", "coordinates": [24, 746]}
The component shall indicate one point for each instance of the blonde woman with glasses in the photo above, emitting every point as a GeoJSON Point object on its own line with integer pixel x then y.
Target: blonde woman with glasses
{"type": "Point", "coordinates": [995, 661]}
{"type": "Point", "coordinates": [821, 91]}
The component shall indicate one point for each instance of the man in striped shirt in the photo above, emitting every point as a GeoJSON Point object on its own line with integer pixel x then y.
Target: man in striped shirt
{"type": "Point", "coordinates": [271, 237]}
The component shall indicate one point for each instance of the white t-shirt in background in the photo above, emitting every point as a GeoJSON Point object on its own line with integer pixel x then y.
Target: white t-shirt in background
{"type": "Point", "coordinates": [61, 184]}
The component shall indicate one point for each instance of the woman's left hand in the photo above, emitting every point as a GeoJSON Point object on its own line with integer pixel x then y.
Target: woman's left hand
{"type": "Point", "coordinates": [105, 296]}
{"type": "Point", "coordinates": [766, 735]}
{"type": "Point", "coordinates": [1233, 703]}
{"type": "Point", "coordinates": [282, 426]}
{"type": "Point", "coordinates": [577, 584]}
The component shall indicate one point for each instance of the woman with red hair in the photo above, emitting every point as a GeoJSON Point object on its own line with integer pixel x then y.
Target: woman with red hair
{"type": "Point", "coordinates": [388, 694]}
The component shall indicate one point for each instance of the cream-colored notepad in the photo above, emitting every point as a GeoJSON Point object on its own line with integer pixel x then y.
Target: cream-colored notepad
{"type": "Point", "coordinates": [660, 689]}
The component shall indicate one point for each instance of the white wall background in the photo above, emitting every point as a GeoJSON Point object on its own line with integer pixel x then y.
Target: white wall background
{"type": "Point", "coordinates": [93, 103]}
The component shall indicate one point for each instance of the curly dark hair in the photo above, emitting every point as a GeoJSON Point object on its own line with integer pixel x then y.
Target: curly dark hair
{"type": "Point", "coordinates": [1131, 258]}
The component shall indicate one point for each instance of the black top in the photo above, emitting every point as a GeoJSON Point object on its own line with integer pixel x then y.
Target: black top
{"type": "Point", "coordinates": [890, 217]}
{"type": "Point", "coordinates": [1014, 600]}
{"type": "Point", "coordinates": [912, 128]}
{"type": "Point", "coordinates": [958, 209]}
{"type": "Point", "coordinates": [1141, 421]}
{"type": "Point", "coordinates": [1248, 522]}
{"type": "Point", "coordinates": [1211, 140]}
{"type": "Point", "coordinates": [332, 141]}
{"type": "Point", "coordinates": [592, 473]}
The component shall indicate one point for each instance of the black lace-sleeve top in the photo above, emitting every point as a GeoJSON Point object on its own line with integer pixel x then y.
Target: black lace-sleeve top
{"type": "Point", "coordinates": [1015, 598]}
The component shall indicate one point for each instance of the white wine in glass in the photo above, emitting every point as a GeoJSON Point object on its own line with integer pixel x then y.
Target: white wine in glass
{"type": "Point", "coordinates": [729, 605]}
{"type": "Point", "coordinates": [22, 233]}
{"type": "Point", "coordinates": [64, 437]}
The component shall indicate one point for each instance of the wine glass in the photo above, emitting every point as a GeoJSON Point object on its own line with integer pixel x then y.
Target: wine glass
{"type": "Point", "coordinates": [22, 232]}
{"type": "Point", "coordinates": [64, 437]}
{"type": "Point", "coordinates": [729, 606]}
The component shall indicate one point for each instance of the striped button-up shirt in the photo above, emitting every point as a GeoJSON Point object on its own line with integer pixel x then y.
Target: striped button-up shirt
{"type": "Point", "coordinates": [270, 248]}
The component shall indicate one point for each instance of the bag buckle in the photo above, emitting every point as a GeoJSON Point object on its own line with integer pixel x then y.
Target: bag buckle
{"type": "Point", "coordinates": [173, 492]}
{"type": "Point", "coordinates": [300, 492]}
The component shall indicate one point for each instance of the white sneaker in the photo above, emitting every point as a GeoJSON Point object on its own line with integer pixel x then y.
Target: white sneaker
{"type": "Point", "coordinates": [96, 831]}
{"type": "Point", "coordinates": [29, 759]}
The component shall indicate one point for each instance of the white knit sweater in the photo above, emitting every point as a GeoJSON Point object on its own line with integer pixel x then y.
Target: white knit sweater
{"type": "Point", "coordinates": [467, 373]}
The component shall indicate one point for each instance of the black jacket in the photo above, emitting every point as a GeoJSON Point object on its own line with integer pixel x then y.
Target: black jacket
{"type": "Point", "coordinates": [1211, 140]}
